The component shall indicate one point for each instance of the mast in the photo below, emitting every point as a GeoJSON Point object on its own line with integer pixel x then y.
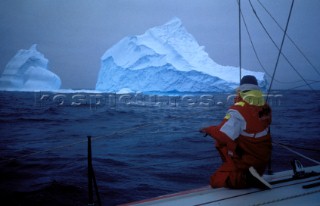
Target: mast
{"type": "Point", "coordinates": [240, 40]}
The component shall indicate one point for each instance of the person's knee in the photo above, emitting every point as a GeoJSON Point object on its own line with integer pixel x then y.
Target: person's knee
{"type": "Point", "coordinates": [236, 180]}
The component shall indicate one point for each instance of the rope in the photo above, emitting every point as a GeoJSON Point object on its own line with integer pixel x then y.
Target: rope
{"type": "Point", "coordinates": [75, 143]}
{"type": "Point", "coordinates": [286, 146]}
{"type": "Point", "coordinates": [173, 162]}
{"type": "Point", "coordinates": [114, 134]}
{"type": "Point", "coordinates": [43, 151]}
{"type": "Point", "coordinates": [124, 131]}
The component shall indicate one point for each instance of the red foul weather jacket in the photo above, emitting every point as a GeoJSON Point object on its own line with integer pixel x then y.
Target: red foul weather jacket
{"type": "Point", "coordinates": [243, 140]}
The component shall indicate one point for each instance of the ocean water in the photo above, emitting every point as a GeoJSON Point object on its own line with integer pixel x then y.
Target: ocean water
{"type": "Point", "coordinates": [142, 145]}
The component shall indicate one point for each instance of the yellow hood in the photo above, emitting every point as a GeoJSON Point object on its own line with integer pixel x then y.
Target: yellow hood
{"type": "Point", "coordinates": [253, 97]}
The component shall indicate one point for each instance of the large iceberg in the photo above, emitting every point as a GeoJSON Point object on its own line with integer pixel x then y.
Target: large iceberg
{"type": "Point", "coordinates": [166, 58]}
{"type": "Point", "coordinates": [28, 71]}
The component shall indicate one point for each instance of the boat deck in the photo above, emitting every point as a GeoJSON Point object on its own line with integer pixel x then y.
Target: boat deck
{"type": "Point", "coordinates": [285, 191]}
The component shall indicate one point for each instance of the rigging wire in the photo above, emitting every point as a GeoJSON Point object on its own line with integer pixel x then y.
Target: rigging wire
{"type": "Point", "coordinates": [297, 153]}
{"type": "Point", "coordinates": [257, 56]}
{"type": "Point", "coordinates": [297, 147]}
{"type": "Point", "coordinates": [253, 47]}
{"type": "Point", "coordinates": [280, 50]}
{"type": "Point", "coordinates": [282, 42]}
{"type": "Point", "coordinates": [296, 87]}
{"type": "Point", "coordinates": [290, 39]}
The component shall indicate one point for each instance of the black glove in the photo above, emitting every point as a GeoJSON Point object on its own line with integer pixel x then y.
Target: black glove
{"type": "Point", "coordinates": [239, 151]}
{"type": "Point", "coordinates": [203, 130]}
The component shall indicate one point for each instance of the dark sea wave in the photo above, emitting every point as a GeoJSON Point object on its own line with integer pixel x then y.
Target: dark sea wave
{"type": "Point", "coordinates": [142, 146]}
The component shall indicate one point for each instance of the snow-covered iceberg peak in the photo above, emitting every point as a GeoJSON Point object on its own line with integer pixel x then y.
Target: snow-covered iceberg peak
{"type": "Point", "coordinates": [165, 58]}
{"type": "Point", "coordinates": [28, 71]}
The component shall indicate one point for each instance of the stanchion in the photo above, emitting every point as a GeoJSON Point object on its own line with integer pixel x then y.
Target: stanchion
{"type": "Point", "coordinates": [269, 171]}
{"type": "Point", "coordinates": [91, 178]}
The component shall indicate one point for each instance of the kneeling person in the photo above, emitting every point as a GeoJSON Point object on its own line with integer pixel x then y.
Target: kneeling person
{"type": "Point", "coordinates": [243, 139]}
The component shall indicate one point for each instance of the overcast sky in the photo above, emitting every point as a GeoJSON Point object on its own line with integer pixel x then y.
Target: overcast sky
{"type": "Point", "coordinates": [74, 34]}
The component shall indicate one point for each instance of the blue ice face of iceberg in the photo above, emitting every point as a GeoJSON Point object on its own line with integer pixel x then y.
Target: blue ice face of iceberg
{"type": "Point", "coordinates": [28, 71]}
{"type": "Point", "coordinates": [166, 58]}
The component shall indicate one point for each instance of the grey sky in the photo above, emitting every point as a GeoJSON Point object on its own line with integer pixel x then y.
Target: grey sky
{"type": "Point", "coordinates": [74, 34]}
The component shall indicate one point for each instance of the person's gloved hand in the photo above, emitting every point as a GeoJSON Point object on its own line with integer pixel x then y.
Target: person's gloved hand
{"type": "Point", "coordinates": [204, 132]}
{"type": "Point", "coordinates": [238, 151]}
{"type": "Point", "coordinates": [207, 131]}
